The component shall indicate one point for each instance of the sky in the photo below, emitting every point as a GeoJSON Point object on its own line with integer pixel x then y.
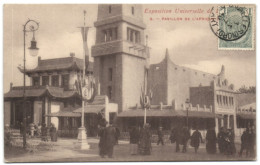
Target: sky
{"type": "Point", "coordinates": [190, 43]}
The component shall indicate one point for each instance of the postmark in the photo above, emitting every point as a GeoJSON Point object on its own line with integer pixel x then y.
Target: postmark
{"type": "Point", "coordinates": [233, 25]}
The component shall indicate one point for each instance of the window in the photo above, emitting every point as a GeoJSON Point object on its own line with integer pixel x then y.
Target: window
{"type": "Point", "coordinates": [220, 99]}
{"type": "Point", "coordinates": [109, 8]}
{"type": "Point", "coordinates": [65, 81]}
{"type": "Point", "coordinates": [110, 34]}
{"type": "Point", "coordinates": [133, 10]}
{"type": "Point", "coordinates": [231, 101]}
{"type": "Point", "coordinates": [133, 35]}
{"type": "Point", "coordinates": [115, 30]}
{"type": "Point", "coordinates": [45, 80]}
{"type": "Point", "coordinates": [110, 74]}
{"type": "Point", "coordinates": [109, 92]}
{"type": "Point", "coordinates": [55, 81]}
{"type": "Point", "coordinates": [36, 81]}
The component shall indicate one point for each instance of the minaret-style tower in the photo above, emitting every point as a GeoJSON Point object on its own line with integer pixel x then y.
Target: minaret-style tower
{"type": "Point", "coordinates": [119, 53]}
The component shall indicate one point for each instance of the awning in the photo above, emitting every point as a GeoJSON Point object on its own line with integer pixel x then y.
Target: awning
{"type": "Point", "coordinates": [247, 116]}
{"type": "Point", "coordinates": [166, 113]}
{"type": "Point", "coordinates": [91, 109]}
{"type": "Point", "coordinates": [64, 114]}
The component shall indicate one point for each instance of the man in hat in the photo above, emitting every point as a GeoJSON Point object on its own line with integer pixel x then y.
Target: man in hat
{"type": "Point", "coordinates": [160, 136]}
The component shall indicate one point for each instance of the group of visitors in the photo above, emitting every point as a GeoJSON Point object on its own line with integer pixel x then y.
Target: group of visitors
{"type": "Point", "coordinates": [52, 132]}
{"type": "Point", "coordinates": [34, 130]}
{"type": "Point", "coordinates": [109, 135]}
{"type": "Point", "coordinates": [180, 135]}
{"type": "Point", "coordinates": [226, 141]}
{"type": "Point", "coordinates": [248, 141]}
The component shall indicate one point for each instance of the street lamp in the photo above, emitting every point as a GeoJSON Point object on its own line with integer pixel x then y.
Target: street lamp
{"type": "Point", "coordinates": [29, 26]}
{"type": "Point", "coordinates": [187, 104]}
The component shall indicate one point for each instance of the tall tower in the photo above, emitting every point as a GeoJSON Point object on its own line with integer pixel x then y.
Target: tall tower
{"type": "Point", "coordinates": [119, 53]}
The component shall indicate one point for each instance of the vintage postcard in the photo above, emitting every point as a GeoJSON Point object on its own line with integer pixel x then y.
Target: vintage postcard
{"type": "Point", "coordinates": [129, 82]}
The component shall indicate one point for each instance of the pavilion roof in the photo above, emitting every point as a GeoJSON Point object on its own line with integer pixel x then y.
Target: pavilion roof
{"type": "Point", "coordinates": [38, 91]}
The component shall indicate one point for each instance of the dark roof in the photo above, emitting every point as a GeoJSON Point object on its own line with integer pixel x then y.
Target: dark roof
{"type": "Point", "coordinates": [245, 98]}
{"type": "Point", "coordinates": [38, 91]}
{"type": "Point", "coordinates": [91, 109]}
{"type": "Point", "coordinates": [59, 64]}
{"type": "Point", "coordinates": [246, 116]}
{"type": "Point", "coordinates": [64, 114]}
{"type": "Point", "coordinates": [166, 113]}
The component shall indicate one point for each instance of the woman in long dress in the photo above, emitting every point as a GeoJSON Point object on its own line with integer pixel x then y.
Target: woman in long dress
{"type": "Point", "coordinates": [196, 138]}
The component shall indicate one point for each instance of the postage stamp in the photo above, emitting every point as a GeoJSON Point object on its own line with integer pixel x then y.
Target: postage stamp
{"type": "Point", "coordinates": [234, 27]}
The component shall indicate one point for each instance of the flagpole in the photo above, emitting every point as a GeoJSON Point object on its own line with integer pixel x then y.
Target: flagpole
{"type": "Point", "coordinates": [84, 67]}
{"type": "Point", "coordinates": [145, 115]}
{"type": "Point", "coordinates": [82, 135]}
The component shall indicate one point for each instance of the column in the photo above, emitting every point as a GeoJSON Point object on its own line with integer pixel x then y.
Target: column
{"type": "Point", "coordinates": [235, 125]}
{"type": "Point", "coordinates": [133, 36]}
{"type": "Point", "coordinates": [128, 34]}
{"type": "Point", "coordinates": [40, 80]}
{"type": "Point", "coordinates": [216, 125]}
{"type": "Point", "coordinates": [60, 80]}
{"type": "Point", "coordinates": [50, 81]}
{"type": "Point", "coordinates": [222, 121]}
{"type": "Point", "coordinates": [228, 120]}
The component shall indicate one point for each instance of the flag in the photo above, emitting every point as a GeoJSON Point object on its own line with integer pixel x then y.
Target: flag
{"type": "Point", "coordinates": [84, 32]}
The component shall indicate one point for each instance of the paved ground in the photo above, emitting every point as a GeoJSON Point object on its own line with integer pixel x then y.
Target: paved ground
{"type": "Point", "coordinates": [64, 151]}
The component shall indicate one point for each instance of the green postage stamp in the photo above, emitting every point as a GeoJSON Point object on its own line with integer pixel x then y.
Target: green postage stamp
{"type": "Point", "coordinates": [234, 25]}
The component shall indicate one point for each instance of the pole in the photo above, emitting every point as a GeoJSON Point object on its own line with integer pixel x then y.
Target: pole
{"type": "Point", "coordinates": [83, 77]}
{"type": "Point", "coordinates": [24, 108]}
{"type": "Point", "coordinates": [144, 115]}
{"type": "Point", "coordinates": [83, 101]}
{"type": "Point", "coordinates": [187, 117]}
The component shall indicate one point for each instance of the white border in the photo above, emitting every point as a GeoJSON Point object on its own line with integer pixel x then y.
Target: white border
{"type": "Point", "coordinates": [257, 2]}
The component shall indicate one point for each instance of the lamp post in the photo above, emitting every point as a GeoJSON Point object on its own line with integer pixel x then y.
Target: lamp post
{"type": "Point", "coordinates": [187, 103]}
{"type": "Point", "coordinates": [33, 26]}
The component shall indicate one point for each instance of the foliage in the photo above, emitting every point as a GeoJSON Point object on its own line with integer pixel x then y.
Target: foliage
{"type": "Point", "coordinates": [244, 89]}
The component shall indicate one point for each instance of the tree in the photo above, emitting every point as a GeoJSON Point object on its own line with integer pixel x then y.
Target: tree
{"type": "Point", "coordinates": [244, 89]}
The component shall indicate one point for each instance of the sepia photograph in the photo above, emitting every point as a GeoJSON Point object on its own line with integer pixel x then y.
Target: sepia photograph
{"type": "Point", "coordinates": [129, 82]}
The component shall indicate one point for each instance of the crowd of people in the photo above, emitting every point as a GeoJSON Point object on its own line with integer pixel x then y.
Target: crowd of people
{"type": "Point", "coordinates": [40, 130]}
{"type": "Point", "coordinates": [141, 140]}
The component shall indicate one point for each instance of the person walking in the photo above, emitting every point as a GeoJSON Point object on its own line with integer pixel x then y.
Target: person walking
{"type": "Point", "coordinates": [179, 137]}
{"type": "Point", "coordinates": [185, 138]}
{"type": "Point", "coordinates": [110, 140]}
{"type": "Point", "coordinates": [134, 139]}
{"type": "Point", "coordinates": [102, 140]}
{"type": "Point", "coordinates": [53, 133]}
{"type": "Point", "coordinates": [221, 139]}
{"type": "Point", "coordinates": [44, 132]}
{"type": "Point", "coordinates": [251, 142]}
{"type": "Point", "coordinates": [196, 138]}
{"type": "Point", "coordinates": [160, 136]}
{"type": "Point", "coordinates": [244, 143]}
{"type": "Point", "coordinates": [145, 146]}
{"type": "Point", "coordinates": [211, 141]}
